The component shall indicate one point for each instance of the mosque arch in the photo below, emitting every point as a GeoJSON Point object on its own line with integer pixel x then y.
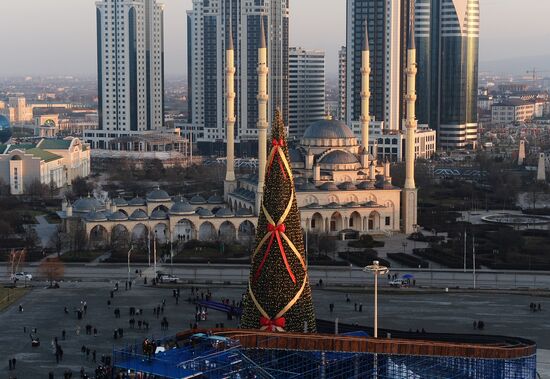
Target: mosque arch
{"type": "Point", "coordinates": [316, 223]}
{"type": "Point", "coordinates": [139, 231]}
{"type": "Point", "coordinates": [355, 221]}
{"type": "Point", "coordinates": [207, 232]}
{"type": "Point", "coordinates": [333, 199]}
{"type": "Point", "coordinates": [120, 237]}
{"type": "Point", "coordinates": [99, 236]}
{"type": "Point", "coordinates": [374, 221]}
{"type": "Point", "coordinates": [161, 233]}
{"type": "Point", "coordinates": [246, 233]}
{"type": "Point", "coordinates": [162, 207]}
{"type": "Point", "coordinates": [227, 232]}
{"type": "Point", "coordinates": [370, 197]}
{"type": "Point", "coordinates": [336, 222]}
{"type": "Point", "coordinates": [185, 230]}
{"type": "Point", "coordinates": [311, 199]}
{"type": "Point", "coordinates": [352, 198]}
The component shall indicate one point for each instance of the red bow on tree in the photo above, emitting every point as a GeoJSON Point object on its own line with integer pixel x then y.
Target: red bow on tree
{"type": "Point", "coordinates": [276, 146]}
{"type": "Point", "coordinates": [272, 325]}
{"type": "Point", "coordinates": [275, 231]}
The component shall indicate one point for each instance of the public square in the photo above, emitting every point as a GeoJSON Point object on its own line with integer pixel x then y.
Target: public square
{"type": "Point", "coordinates": [43, 309]}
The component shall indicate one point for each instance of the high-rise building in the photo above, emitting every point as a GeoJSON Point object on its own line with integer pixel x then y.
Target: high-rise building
{"type": "Point", "coordinates": [306, 89]}
{"type": "Point", "coordinates": [209, 23]}
{"type": "Point", "coordinates": [387, 32]}
{"type": "Point", "coordinates": [447, 37]}
{"type": "Point", "coordinates": [130, 68]}
{"type": "Point", "coordinates": [342, 95]}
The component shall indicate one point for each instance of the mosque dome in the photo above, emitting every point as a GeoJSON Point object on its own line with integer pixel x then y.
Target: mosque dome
{"type": "Point", "coordinates": [347, 186]}
{"type": "Point", "coordinates": [328, 186]}
{"type": "Point", "coordinates": [197, 199]}
{"type": "Point", "coordinates": [136, 201]}
{"type": "Point", "coordinates": [117, 216]}
{"type": "Point", "coordinates": [243, 212]}
{"type": "Point", "coordinates": [158, 195]}
{"type": "Point", "coordinates": [215, 199]}
{"type": "Point", "coordinates": [119, 201]}
{"type": "Point", "coordinates": [94, 216]}
{"type": "Point", "coordinates": [205, 212]}
{"type": "Point", "coordinates": [181, 208]}
{"type": "Point", "coordinates": [139, 215]}
{"type": "Point", "coordinates": [367, 184]}
{"type": "Point", "coordinates": [87, 204]}
{"type": "Point", "coordinates": [339, 157]}
{"type": "Point", "coordinates": [224, 212]}
{"type": "Point", "coordinates": [159, 214]}
{"type": "Point", "coordinates": [307, 186]}
{"type": "Point", "coordinates": [328, 129]}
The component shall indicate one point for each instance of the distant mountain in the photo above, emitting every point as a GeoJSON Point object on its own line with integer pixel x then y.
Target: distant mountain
{"type": "Point", "coordinates": [518, 65]}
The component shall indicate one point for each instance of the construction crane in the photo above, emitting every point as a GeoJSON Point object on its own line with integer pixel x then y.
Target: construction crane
{"type": "Point", "coordinates": [534, 71]}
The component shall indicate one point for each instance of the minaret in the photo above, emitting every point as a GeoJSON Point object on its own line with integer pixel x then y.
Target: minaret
{"type": "Point", "coordinates": [262, 115]}
{"type": "Point", "coordinates": [541, 168]}
{"type": "Point", "coordinates": [229, 183]}
{"type": "Point", "coordinates": [365, 99]}
{"type": "Point", "coordinates": [410, 195]}
{"type": "Point", "coordinates": [521, 153]}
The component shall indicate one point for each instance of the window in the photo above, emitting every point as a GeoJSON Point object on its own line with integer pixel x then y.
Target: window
{"type": "Point", "coordinates": [388, 221]}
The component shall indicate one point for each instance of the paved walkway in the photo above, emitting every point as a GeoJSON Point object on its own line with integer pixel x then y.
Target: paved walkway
{"type": "Point", "coordinates": [44, 230]}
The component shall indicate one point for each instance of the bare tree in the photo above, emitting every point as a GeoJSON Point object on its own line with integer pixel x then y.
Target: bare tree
{"type": "Point", "coordinates": [51, 269]}
{"type": "Point", "coordinates": [58, 240]}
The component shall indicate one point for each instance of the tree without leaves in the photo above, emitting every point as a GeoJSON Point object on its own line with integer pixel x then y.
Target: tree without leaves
{"type": "Point", "coordinates": [58, 240]}
{"type": "Point", "coordinates": [52, 269]}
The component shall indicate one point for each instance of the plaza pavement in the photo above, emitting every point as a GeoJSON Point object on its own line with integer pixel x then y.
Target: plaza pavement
{"type": "Point", "coordinates": [503, 314]}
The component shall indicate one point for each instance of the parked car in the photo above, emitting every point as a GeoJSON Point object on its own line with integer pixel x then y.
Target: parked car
{"type": "Point", "coordinates": [169, 278]}
{"type": "Point", "coordinates": [21, 276]}
{"type": "Point", "coordinates": [397, 283]}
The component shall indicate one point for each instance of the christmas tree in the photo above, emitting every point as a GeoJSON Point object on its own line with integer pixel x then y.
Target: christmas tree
{"type": "Point", "coordinates": [279, 295]}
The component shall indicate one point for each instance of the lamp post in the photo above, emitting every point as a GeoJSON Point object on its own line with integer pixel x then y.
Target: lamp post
{"type": "Point", "coordinates": [129, 252]}
{"type": "Point", "coordinates": [376, 269]}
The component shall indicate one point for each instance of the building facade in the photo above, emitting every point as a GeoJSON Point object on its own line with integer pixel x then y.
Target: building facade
{"type": "Point", "coordinates": [130, 68]}
{"type": "Point", "coordinates": [16, 110]}
{"type": "Point", "coordinates": [306, 89]}
{"type": "Point", "coordinates": [447, 38]}
{"type": "Point", "coordinates": [342, 80]}
{"type": "Point", "coordinates": [512, 110]}
{"type": "Point", "coordinates": [51, 162]}
{"type": "Point", "coordinates": [387, 33]}
{"type": "Point", "coordinates": [208, 25]}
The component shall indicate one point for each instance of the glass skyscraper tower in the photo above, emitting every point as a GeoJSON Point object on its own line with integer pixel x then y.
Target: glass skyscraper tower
{"type": "Point", "coordinates": [447, 39]}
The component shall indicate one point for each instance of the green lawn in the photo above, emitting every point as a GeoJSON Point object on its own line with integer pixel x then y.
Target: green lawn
{"type": "Point", "coordinates": [9, 296]}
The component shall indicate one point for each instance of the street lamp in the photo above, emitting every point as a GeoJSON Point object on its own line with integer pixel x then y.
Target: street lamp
{"type": "Point", "coordinates": [129, 252]}
{"type": "Point", "coordinates": [376, 269]}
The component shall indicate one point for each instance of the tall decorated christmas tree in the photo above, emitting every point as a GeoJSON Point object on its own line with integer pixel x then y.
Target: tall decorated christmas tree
{"type": "Point", "coordinates": [279, 295]}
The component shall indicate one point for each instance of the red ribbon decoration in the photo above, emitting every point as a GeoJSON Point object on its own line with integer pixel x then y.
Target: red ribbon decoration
{"type": "Point", "coordinates": [275, 231]}
{"type": "Point", "coordinates": [276, 146]}
{"type": "Point", "coordinates": [272, 324]}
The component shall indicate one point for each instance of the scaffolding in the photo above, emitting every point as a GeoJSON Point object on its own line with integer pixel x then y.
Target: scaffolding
{"type": "Point", "coordinates": [211, 356]}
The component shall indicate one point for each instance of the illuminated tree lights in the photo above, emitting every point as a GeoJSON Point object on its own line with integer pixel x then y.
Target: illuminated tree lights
{"type": "Point", "coordinates": [279, 295]}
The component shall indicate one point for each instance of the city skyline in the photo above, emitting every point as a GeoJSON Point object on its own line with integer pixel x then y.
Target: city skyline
{"type": "Point", "coordinates": [74, 53]}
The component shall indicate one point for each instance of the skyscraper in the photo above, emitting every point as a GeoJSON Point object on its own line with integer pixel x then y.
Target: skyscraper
{"type": "Point", "coordinates": [130, 67]}
{"type": "Point", "coordinates": [447, 36]}
{"type": "Point", "coordinates": [387, 31]}
{"type": "Point", "coordinates": [306, 89]}
{"type": "Point", "coordinates": [208, 26]}
{"type": "Point", "coordinates": [342, 94]}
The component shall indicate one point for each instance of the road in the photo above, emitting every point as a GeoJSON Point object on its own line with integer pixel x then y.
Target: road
{"type": "Point", "coordinates": [331, 276]}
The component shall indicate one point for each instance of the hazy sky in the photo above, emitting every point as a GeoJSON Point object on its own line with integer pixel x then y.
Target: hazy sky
{"type": "Point", "coordinates": [58, 36]}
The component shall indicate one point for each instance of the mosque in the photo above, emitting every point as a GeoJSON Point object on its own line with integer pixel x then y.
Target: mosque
{"type": "Point", "coordinates": [340, 186]}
